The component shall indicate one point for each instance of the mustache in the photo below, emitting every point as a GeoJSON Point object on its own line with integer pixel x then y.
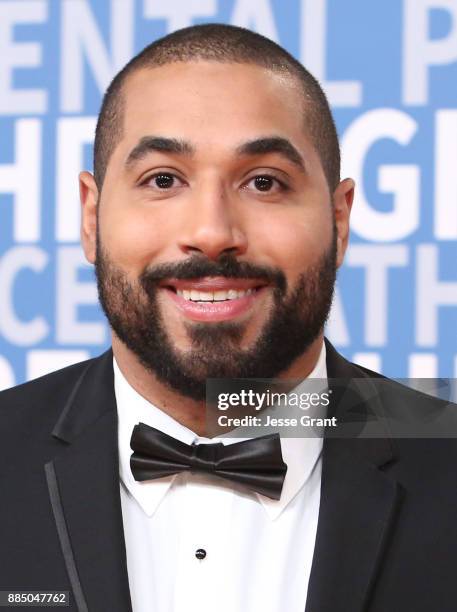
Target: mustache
{"type": "Point", "coordinates": [198, 266]}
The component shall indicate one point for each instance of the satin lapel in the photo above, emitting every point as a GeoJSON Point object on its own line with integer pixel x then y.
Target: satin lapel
{"type": "Point", "coordinates": [83, 483]}
{"type": "Point", "coordinates": [357, 509]}
{"type": "Point", "coordinates": [356, 512]}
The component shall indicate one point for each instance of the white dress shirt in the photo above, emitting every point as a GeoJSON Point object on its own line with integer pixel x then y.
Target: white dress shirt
{"type": "Point", "coordinates": [258, 550]}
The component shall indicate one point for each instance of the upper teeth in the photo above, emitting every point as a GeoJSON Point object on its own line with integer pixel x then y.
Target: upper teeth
{"type": "Point", "coordinates": [213, 296]}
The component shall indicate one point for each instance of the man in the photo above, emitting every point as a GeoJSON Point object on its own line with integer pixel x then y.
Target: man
{"type": "Point", "coordinates": [216, 220]}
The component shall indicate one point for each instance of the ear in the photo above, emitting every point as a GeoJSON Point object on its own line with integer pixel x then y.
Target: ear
{"type": "Point", "coordinates": [88, 194]}
{"type": "Point", "coordinates": [342, 205]}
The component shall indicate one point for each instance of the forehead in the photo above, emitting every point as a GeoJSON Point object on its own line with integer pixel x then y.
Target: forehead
{"type": "Point", "coordinates": [211, 103]}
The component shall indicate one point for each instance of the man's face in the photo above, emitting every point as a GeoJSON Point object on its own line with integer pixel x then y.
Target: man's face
{"type": "Point", "coordinates": [216, 242]}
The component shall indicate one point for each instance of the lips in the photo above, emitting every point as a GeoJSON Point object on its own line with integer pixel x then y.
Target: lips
{"type": "Point", "coordinates": [213, 298]}
{"type": "Point", "coordinates": [213, 284]}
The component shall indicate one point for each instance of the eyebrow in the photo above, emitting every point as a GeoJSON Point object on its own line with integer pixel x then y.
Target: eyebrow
{"type": "Point", "coordinates": [149, 144]}
{"type": "Point", "coordinates": [258, 146]}
{"type": "Point", "coordinates": [273, 144]}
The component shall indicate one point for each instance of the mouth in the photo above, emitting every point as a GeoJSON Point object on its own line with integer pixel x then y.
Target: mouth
{"type": "Point", "coordinates": [214, 298]}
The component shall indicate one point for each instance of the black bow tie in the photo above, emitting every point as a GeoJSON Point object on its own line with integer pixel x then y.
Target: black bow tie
{"type": "Point", "coordinates": [255, 463]}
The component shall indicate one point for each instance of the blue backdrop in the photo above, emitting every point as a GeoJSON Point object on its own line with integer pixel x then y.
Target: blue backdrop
{"type": "Point", "coordinates": [390, 71]}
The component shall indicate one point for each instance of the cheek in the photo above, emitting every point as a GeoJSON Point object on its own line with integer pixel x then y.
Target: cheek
{"type": "Point", "coordinates": [133, 236]}
{"type": "Point", "coordinates": [294, 243]}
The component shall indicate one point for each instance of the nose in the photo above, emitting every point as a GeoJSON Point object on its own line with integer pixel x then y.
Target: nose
{"type": "Point", "coordinates": [212, 224]}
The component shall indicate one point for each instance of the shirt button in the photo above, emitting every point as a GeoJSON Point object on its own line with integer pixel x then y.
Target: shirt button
{"type": "Point", "coordinates": [200, 553]}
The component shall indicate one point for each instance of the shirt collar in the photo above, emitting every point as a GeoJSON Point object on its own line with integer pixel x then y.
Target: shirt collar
{"type": "Point", "coordinates": [300, 454]}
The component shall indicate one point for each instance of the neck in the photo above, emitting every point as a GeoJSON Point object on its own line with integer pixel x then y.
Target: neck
{"type": "Point", "coordinates": [188, 412]}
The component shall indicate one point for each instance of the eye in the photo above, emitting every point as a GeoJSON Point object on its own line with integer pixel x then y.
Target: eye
{"type": "Point", "coordinates": [163, 181]}
{"type": "Point", "coordinates": [266, 183]}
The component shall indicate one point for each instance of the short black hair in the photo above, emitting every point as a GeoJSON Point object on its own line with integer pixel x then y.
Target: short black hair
{"type": "Point", "coordinates": [226, 44]}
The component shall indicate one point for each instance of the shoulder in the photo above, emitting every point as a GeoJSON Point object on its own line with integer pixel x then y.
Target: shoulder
{"type": "Point", "coordinates": [398, 396]}
{"type": "Point", "coordinates": [423, 427]}
{"type": "Point", "coordinates": [395, 396]}
{"type": "Point", "coordinates": [407, 413]}
{"type": "Point", "coordinates": [35, 405]}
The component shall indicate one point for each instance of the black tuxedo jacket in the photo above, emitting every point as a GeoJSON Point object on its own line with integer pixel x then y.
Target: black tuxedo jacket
{"type": "Point", "coordinates": [387, 531]}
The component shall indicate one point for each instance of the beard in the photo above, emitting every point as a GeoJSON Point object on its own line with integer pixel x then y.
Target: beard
{"type": "Point", "coordinates": [295, 321]}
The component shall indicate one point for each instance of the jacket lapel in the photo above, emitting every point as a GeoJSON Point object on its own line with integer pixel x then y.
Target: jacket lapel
{"type": "Point", "coordinates": [83, 483]}
{"type": "Point", "coordinates": [357, 506]}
